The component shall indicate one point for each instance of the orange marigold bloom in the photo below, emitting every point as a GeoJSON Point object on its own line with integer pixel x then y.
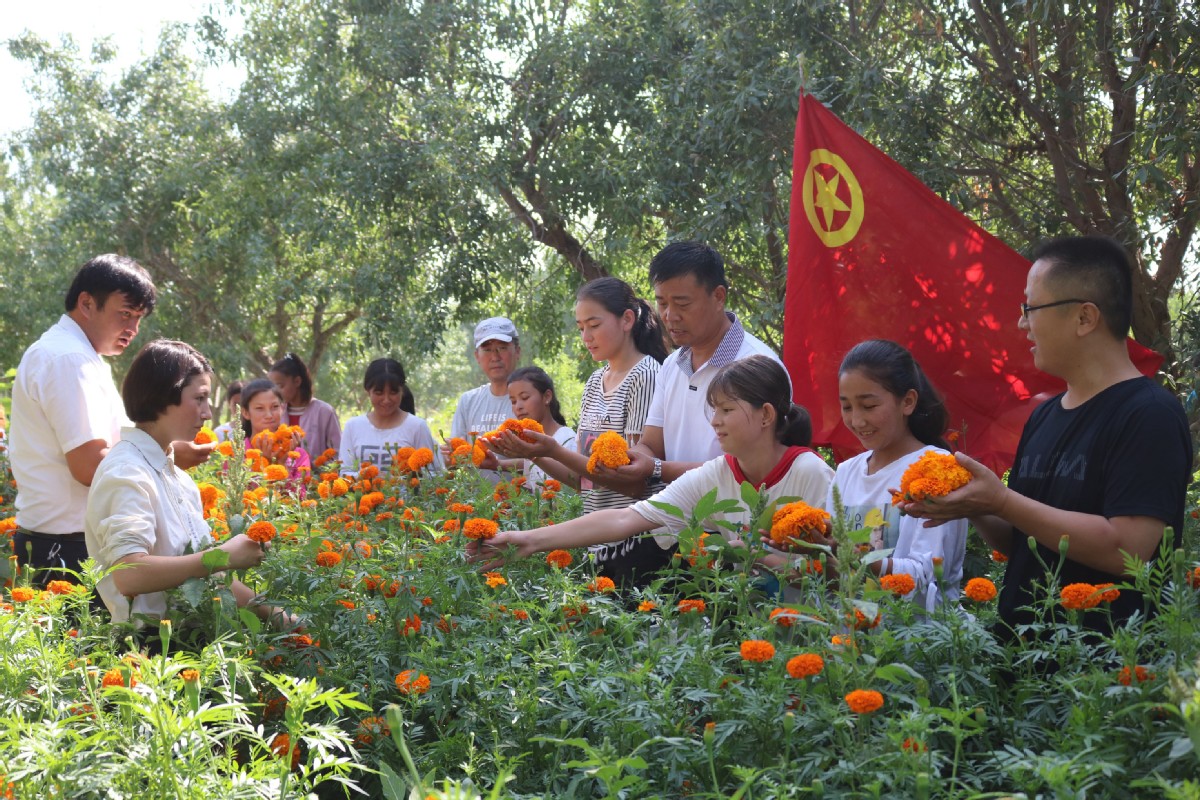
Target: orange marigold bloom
{"type": "Point", "coordinates": [520, 613]}
{"type": "Point", "coordinates": [60, 587]}
{"type": "Point", "coordinates": [1108, 593]}
{"type": "Point", "coordinates": [368, 472]}
{"type": "Point", "coordinates": [412, 682]}
{"type": "Point", "coordinates": [205, 436]}
{"type": "Point", "coordinates": [913, 746]}
{"type": "Point", "coordinates": [798, 521]}
{"type": "Point", "coordinates": [757, 650]}
{"type": "Point", "coordinates": [898, 583]}
{"type": "Point", "coordinates": [932, 475]}
{"type": "Point", "coordinates": [864, 701]}
{"type": "Point", "coordinates": [495, 580]}
{"type": "Point", "coordinates": [323, 490]}
{"type": "Point", "coordinates": [609, 449]}
{"type": "Point", "coordinates": [861, 623]}
{"type": "Point", "coordinates": [783, 617]}
{"type": "Point", "coordinates": [602, 584]}
{"type": "Point", "coordinates": [480, 528]}
{"type": "Point", "coordinates": [422, 457]}
{"type": "Point", "coordinates": [461, 454]}
{"type": "Point", "coordinates": [461, 508]}
{"type": "Point", "coordinates": [328, 558]}
{"type": "Point", "coordinates": [349, 605]}
{"type": "Point", "coordinates": [805, 665]}
{"type": "Point", "coordinates": [457, 442]}
{"type": "Point", "coordinates": [450, 526]}
{"type": "Point", "coordinates": [22, 594]}
{"type": "Point", "coordinates": [647, 605]}
{"type": "Point", "coordinates": [1141, 673]}
{"type": "Point", "coordinates": [689, 606]}
{"type": "Point", "coordinates": [981, 590]}
{"type": "Point", "coordinates": [842, 640]}
{"type": "Point", "coordinates": [275, 472]}
{"type": "Point", "coordinates": [558, 558]}
{"type": "Point", "coordinates": [409, 626]}
{"type": "Point", "coordinates": [190, 676]}
{"type": "Point", "coordinates": [281, 745]}
{"type": "Point", "coordinates": [369, 728]}
{"type": "Point", "coordinates": [7, 526]}
{"type": "Point", "coordinates": [999, 557]}
{"type": "Point", "coordinates": [225, 448]}
{"type": "Point", "coordinates": [261, 532]}
{"type": "Point", "coordinates": [114, 677]}
{"type": "Point", "coordinates": [1079, 596]}
{"type": "Point", "coordinates": [339, 487]}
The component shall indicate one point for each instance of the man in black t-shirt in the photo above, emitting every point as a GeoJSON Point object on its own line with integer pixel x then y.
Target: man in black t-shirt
{"type": "Point", "coordinates": [1105, 464]}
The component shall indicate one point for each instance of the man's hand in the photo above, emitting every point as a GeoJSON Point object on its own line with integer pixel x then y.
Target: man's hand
{"type": "Point", "coordinates": [190, 454]}
{"type": "Point", "coordinates": [639, 468]}
{"type": "Point", "coordinates": [985, 495]}
{"type": "Point", "coordinates": [496, 551]}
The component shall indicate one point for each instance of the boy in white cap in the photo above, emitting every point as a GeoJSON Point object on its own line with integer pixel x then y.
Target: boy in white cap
{"type": "Point", "coordinates": [497, 351]}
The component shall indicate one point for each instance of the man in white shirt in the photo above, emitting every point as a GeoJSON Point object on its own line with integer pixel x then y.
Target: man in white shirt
{"type": "Point", "coordinates": [497, 351]}
{"type": "Point", "coordinates": [690, 290]}
{"type": "Point", "coordinates": [67, 412]}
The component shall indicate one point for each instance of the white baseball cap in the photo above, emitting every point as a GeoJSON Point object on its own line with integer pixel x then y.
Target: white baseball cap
{"type": "Point", "coordinates": [500, 328]}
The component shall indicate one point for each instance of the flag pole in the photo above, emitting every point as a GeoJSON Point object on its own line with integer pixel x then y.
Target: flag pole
{"type": "Point", "coordinates": [803, 79]}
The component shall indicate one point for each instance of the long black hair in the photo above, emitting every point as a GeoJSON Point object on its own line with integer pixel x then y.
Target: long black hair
{"type": "Point", "coordinates": [388, 373]}
{"type": "Point", "coordinates": [893, 367]}
{"type": "Point", "coordinates": [291, 366]}
{"type": "Point", "coordinates": [617, 297]}
{"type": "Point", "coordinates": [537, 377]}
{"type": "Point", "coordinates": [759, 380]}
{"type": "Point", "coordinates": [255, 387]}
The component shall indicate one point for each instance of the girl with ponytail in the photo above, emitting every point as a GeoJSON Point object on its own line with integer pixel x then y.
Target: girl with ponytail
{"type": "Point", "coordinates": [765, 438]}
{"type": "Point", "coordinates": [898, 416]}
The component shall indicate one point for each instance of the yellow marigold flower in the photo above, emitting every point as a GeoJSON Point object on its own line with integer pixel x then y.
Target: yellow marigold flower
{"type": "Point", "coordinates": [275, 472]}
{"type": "Point", "coordinates": [495, 580]}
{"type": "Point", "coordinates": [205, 436]}
{"type": "Point", "coordinates": [981, 590]}
{"type": "Point", "coordinates": [328, 558]}
{"type": "Point", "coordinates": [864, 701]}
{"type": "Point", "coordinates": [898, 583]}
{"type": "Point", "coordinates": [558, 558]}
{"type": "Point", "coordinates": [412, 682]}
{"type": "Point", "coordinates": [225, 448]}
{"type": "Point", "coordinates": [339, 487]}
{"type": "Point", "coordinates": [609, 449]}
{"type": "Point", "coordinates": [805, 665]}
{"type": "Point", "coordinates": [261, 532]}
{"type": "Point", "coordinates": [690, 606]}
{"type": "Point", "coordinates": [22, 594]}
{"type": "Point", "coordinates": [8, 526]}
{"type": "Point", "coordinates": [1079, 596]}
{"type": "Point", "coordinates": [480, 528]}
{"type": "Point", "coordinates": [757, 650]}
{"type": "Point", "coordinates": [932, 475]}
{"type": "Point", "coordinates": [798, 521]}
{"type": "Point", "coordinates": [647, 605]}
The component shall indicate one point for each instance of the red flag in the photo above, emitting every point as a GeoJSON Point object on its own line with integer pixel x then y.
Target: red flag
{"type": "Point", "coordinates": [874, 254]}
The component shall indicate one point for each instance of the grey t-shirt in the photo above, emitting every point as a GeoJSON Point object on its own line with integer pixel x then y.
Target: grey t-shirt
{"type": "Point", "coordinates": [479, 411]}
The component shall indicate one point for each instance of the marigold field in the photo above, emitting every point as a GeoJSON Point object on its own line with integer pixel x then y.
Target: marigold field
{"type": "Point", "coordinates": [416, 675]}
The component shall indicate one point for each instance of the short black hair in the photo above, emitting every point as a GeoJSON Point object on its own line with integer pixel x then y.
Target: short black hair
{"type": "Point", "coordinates": [293, 367]}
{"type": "Point", "coordinates": [158, 376]}
{"type": "Point", "coordinates": [1096, 269]}
{"type": "Point", "coordinates": [110, 273]}
{"type": "Point", "coordinates": [696, 258]}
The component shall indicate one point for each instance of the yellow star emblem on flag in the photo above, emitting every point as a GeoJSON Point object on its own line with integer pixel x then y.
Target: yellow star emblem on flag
{"type": "Point", "coordinates": [824, 203]}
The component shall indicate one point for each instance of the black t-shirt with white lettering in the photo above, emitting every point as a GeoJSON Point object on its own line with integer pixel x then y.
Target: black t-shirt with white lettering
{"type": "Point", "coordinates": [1125, 452]}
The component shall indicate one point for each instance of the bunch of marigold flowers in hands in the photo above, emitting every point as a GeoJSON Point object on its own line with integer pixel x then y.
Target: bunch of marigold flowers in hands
{"type": "Point", "coordinates": [610, 449]}
{"type": "Point", "coordinates": [798, 522]}
{"type": "Point", "coordinates": [931, 475]}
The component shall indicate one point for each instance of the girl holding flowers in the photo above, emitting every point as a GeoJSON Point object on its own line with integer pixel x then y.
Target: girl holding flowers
{"type": "Point", "coordinates": [620, 329]}
{"type": "Point", "coordinates": [144, 514]}
{"type": "Point", "coordinates": [898, 416]}
{"type": "Point", "coordinates": [765, 438]}
{"type": "Point", "coordinates": [531, 392]}
{"type": "Point", "coordinates": [392, 422]}
{"type": "Point", "coordinates": [262, 414]}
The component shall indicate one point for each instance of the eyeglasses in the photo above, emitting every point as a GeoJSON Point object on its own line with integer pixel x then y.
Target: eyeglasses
{"type": "Point", "coordinates": [1025, 309]}
{"type": "Point", "coordinates": [497, 349]}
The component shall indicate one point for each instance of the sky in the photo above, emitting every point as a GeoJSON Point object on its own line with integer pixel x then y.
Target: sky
{"type": "Point", "coordinates": [133, 26]}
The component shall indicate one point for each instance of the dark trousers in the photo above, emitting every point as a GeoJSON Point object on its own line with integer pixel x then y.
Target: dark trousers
{"type": "Point", "coordinates": [53, 557]}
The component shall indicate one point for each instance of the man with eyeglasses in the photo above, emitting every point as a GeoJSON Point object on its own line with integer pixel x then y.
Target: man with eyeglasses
{"type": "Point", "coordinates": [497, 351]}
{"type": "Point", "coordinates": [1102, 468]}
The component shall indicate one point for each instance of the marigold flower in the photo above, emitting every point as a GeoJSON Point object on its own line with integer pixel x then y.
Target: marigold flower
{"type": "Point", "coordinates": [647, 606]}
{"type": "Point", "coordinates": [757, 650]}
{"type": "Point", "coordinates": [323, 490]}
{"type": "Point", "coordinates": [61, 587]}
{"type": "Point", "coordinates": [913, 746]}
{"type": "Point", "coordinates": [480, 528]}
{"type": "Point", "coordinates": [805, 665]}
{"type": "Point", "coordinates": [1194, 577]}
{"type": "Point", "coordinates": [478, 453]}
{"type": "Point", "coordinates": [114, 677]}
{"type": "Point", "coordinates": [190, 676]}
{"type": "Point", "coordinates": [495, 580]}
{"type": "Point", "coordinates": [328, 558]}
{"type": "Point", "coordinates": [349, 605]}
{"type": "Point", "coordinates": [209, 495]}
{"type": "Point", "coordinates": [368, 472]}
{"type": "Point", "coordinates": [1141, 673]}
{"type": "Point", "coordinates": [601, 585]}
{"type": "Point", "coordinates": [981, 590]}
{"type": "Point", "coordinates": [205, 436]}
{"type": "Point", "coordinates": [275, 472]}
{"type": "Point", "coordinates": [609, 449]}
{"type": "Point", "coordinates": [225, 448]}
{"type": "Point", "coordinates": [558, 558]}
{"type": "Point", "coordinates": [339, 487]}
{"type": "Point", "coordinates": [898, 583]}
{"type": "Point", "coordinates": [22, 594]}
{"type": "Point", "coordinates": [864, 701]}
{"type": "Point", "coordinates": [422, 457]}
{"type": "Point", "coordinates": [783, 617]}
{"type": "Point", "coordinates": [932, 475]}
{"type": "Point", "coordinates": [370, 728]}
{"type": "Point", "coordinates": [412, 682]}
{"type": "Point", "coordinates": [551, 485]}
{"type": "Point", "coordinates": [281, 745]}
{"type": "Point", "coordinates": [461, 454]}
{"type": "Point", "coordinates": [1079, 596]}
{"type": "Point", "coordinates": [408, 626]}
{"type": "Point", "coordinates": [261, 532]}
{"type": "Point", "coordinates": [689, 606]}
{"type": "Point", "coordinates": [1108, 593]}
{"type": "Point", "coordinates": [861, 623]}
{"type": "Point", "coordinates": [461, 508]}
{"type": "Point", "coordinates": [842, 640]}
{"type": "Point", "coordinates": [798, 521]}
{"type": "Point", "coordinates": [520, 613]}
{"type": "Point", "coordinates": [999, 557]}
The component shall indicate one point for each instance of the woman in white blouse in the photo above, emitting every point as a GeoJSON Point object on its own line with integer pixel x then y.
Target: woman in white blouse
{"type": "Point", "coordinates": [144, 514]}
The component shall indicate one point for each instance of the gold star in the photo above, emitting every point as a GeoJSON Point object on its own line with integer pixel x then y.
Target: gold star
{"type": "Point", "coordinates": [827, 199]}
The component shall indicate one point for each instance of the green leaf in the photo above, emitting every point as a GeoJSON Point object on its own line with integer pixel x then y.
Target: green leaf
{"type": "Point", "coordinates": [214, 559]}
{"type": "Point", "coordinates": [394, 787]}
